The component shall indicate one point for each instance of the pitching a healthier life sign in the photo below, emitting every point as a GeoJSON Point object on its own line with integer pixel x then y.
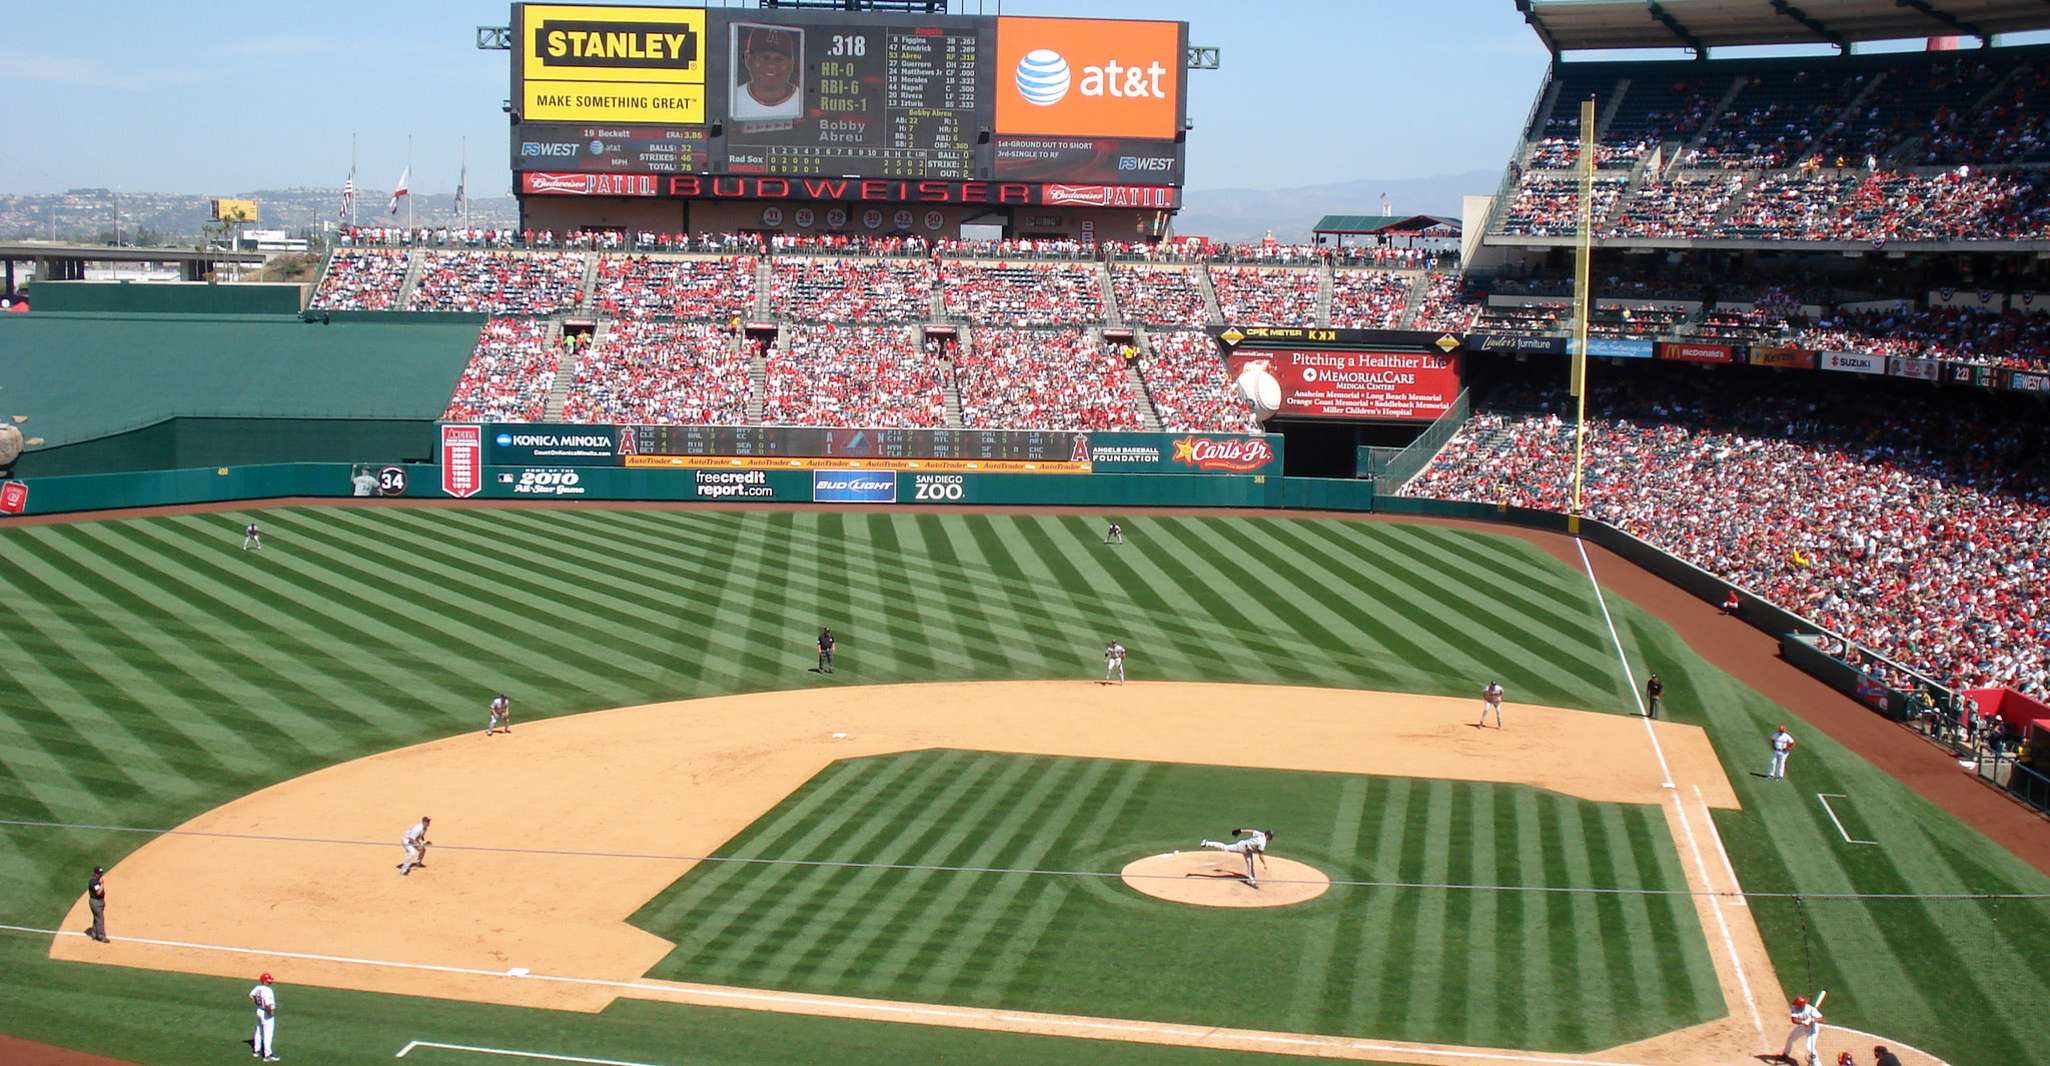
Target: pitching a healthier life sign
{"type": "Point", "coordinates": [1397, 386]}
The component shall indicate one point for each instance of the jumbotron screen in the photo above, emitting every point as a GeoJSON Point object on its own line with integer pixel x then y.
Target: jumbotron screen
{"type": "Point", "coordinates": [819, 93]}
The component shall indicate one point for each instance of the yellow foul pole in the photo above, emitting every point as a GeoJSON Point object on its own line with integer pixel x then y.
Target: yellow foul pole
{"type": "Point", "coordinates": [1582, 248]}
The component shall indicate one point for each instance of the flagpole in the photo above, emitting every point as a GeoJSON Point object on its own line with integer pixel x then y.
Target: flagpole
{"type": "Point", "coordinates": [352, 179]}
{"type": "Point", "coordinates": [409, 171]}
{"type": "Point", "coordinates": [462, 177]}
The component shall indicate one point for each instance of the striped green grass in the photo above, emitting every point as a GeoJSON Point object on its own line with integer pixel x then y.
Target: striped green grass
{"type": "Point", "coordinates": [1494, 967]}
{"type": "Point", "coordinates": [151, 670]}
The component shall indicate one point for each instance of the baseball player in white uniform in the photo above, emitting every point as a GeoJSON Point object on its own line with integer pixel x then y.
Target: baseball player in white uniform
{"type": "Point", "coordinates": [415, 842]}
{"type": "Point", "coordinates": [252, 537]}
{"type": "Point", "coordinates": [1782, 743]}
{"type": "Point", "coordinates": [262, 1044]}
{"type": "Point", "coordinates": [1491, 700]}
{"type": "Point", "coordinates": [1807, 1023]}
{"type": "Point", "coordinates": [501, 715]}
{"type": "Point", "coordinates": [1248, 842]}
{"type": "Point", "coordinates": [1114, 659]}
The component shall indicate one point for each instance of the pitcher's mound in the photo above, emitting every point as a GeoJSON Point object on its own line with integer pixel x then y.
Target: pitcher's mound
{"type": "Point", "coordinates": [1209, 878]}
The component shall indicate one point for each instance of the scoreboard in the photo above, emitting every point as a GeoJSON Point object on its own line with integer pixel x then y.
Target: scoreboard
{"type": "Point", "coordinates": [813, 442]}
{"type": "Point", "coordinates": [839, 94]}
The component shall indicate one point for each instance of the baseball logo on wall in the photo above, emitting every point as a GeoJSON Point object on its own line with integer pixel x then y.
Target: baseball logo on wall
{"type": "Point", "coordinates": [902, 219]}
{"type": "Point", "coordinates": [872, 218]}
{"type": "Point", "coordinates": [837, 218]}
{"type": "Point", "coordinates": [772, 216]}
{"type": "Point", "coordinates": [391, 481]}
{"type": "Point", "coordinates": [805, 217]}
{"type": "Point", "coordinates": [934, 220]}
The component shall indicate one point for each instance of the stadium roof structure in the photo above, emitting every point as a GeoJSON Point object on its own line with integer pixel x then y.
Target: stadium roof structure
{"type": "Point", "coordinates": [1578, 25]}
{"type": "Point", "coordinates": [1375, 225]}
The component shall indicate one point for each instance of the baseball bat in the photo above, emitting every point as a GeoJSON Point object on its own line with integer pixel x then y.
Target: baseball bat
{"type": "Point", "coordinates": [1819, 997]}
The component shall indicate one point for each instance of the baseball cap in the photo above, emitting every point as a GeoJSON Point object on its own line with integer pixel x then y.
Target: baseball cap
{"type": "Point", "coordinates": [769, 39]}
{"type": "Point", "coordinates": [97, 870]}
{"type": "Point", "coordinates": [1800, 1001]}
{"type": "Point", "coordinates": [265, 979]}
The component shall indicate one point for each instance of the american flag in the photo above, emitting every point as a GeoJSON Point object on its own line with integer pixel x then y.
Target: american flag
{"type": "Point", "coordinates": [348, 197]}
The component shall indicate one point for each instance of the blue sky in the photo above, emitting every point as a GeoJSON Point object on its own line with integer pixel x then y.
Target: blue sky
{"type": "Point", "coordinates": [232, 95]}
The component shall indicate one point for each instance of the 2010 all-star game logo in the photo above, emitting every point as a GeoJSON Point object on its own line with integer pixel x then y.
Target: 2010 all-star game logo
{"type": "Point", "coordinates": [1232, 453]}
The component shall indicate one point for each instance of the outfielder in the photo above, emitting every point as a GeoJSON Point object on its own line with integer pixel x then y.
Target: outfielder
{"type": "Point", "coordinates": [501, 715]}
{"type": "Point", "coordinates": [1114, 535]}
{"type": "Point", "coordinates": [1491, 700]}
{"type": "Point", "coordinates": [415, 842]}
{"type": "Point", "coordinates": [1114, 659]}
{"type": "Point", "coordinates": [261, 1043]}
{"type": "Point", "coordinates": [1807, 1023]}
{"type": "Point", "coordinates": [252, 538]}
{"type": "Point", "coordinates": [1249, 843]}
{"type": "Point", "coordinates": [1782, 743]}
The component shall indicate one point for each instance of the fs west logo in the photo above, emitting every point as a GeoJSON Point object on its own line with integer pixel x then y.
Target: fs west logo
{"type": "Point", "coordinates": [1089, 77]}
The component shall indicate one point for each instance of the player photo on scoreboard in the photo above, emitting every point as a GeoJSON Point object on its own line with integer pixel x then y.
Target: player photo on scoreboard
{"type": "Point", "coordinates": [768, 76]}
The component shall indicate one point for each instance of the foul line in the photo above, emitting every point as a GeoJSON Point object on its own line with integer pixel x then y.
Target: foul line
{"type": "Point", "coordinates": [1716, 835]}
{"type": "Point", "coordinates": [1656, 748]}
{"type": "Point", "coordinates": [1716, 906]}
{"type": "Point", "coordinates": [411, 1044]}
{"type": "Point", "coordinates": [845, 1007]}
{"type": "Point", "coordinates": [1825, 798]}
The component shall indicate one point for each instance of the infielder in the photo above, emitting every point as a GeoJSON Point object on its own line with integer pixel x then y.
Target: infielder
{"type": "Point", "coordinates": [415, 842]}
{"type": "Point", "coordinates": [1782, 743]}
{"type": "Point", "coordinates": [1114, 659]}
{"type": "Point", "coordinates": [501, 715]}
{"type": "Point", "coordinates": [262, 1043]}
{"type": "Point", "coordinates": [252, 538]}
{"type": "Point", "coordinates": [1114, 535]}
{"type": "Point", "coordinates": [1491, 700]}
{"type": "Point", "coordinates": [1249, 843]}
{"type": "Point", "coordinates": [1807, 1022]}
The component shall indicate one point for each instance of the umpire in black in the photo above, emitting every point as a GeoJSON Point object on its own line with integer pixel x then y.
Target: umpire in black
{"type": "Point", "coordinates": [1653, 689]}
{"type": "Point", "coordinates": [96, 897]}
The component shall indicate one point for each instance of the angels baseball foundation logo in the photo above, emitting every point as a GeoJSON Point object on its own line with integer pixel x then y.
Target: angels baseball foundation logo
{"type": "Point", "coordinates": [1237, 454]}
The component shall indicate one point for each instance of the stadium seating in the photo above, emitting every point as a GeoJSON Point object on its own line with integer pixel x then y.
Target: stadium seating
{"type": "Point", "coordinates": [1021, 293]}
{"type": "Point", "coordinates": [1448, 304]}
{"type": "Point", "coordinates": [854, 375]}
{"type": "Point", "coordinates": [1185, 379]}
{"type": "Point", "coordinates": [1266, 296]}
{"type": "Point", "coordinates": [714, 289]}
{"type": "Point", "coordinates": [1927, 543]}
{"type": "Point", "coordinates": [509, 375]}
{"type": "Point", "coordinates": [1369, 299]}
{"type": "Point", "coordinates": [1043, 379]}
{"type": "Point", "coordinates": [1158, 296]}
{"type": "Point", "coordinates": [366, 280]}
{"type": "Point", "coordinates": [499, 283]}
{"type": "Point", "coordinates": [1547, 205]}
{"type": "Point", "coordinates": [648, 371]}
{"type": "Point", "coordinates": [834, 289]}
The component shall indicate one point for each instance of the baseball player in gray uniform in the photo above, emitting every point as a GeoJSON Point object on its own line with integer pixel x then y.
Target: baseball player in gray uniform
{"type": "Point", "coordinates": [501, 715]}
{"type": "Point", "coordinates": [415, 842]}
{"type": "Point", "coordinates": [1248, 842]}
{"type": "Point", "coordinates": [1491, 700]}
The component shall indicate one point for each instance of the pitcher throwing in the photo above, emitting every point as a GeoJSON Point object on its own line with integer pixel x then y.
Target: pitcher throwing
{"type": "Point", "coordinates": [1249, 842]}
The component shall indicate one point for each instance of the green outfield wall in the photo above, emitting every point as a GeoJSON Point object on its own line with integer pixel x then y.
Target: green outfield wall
{"type": "Point", "coordinates": [164, 297]}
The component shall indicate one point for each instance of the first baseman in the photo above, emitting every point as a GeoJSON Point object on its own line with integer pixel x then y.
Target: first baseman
{"type": "Point", "coordinates": [261, 1044]}
{"type": "Point", "coordinates": [1114, 659]}
{"type": "Point", "coordinates": [1491, 700]}
{"type": "Point", "coordinates": [501, 715]}
{"type": "Point", "coordinates": [1807, 1021]}
{"type": "Point", "coordinates": [415, 842]}
{"type": "Point", "coordinates": [1248, 842]}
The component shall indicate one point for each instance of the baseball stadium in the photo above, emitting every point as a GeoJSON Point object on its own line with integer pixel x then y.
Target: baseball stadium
{"type": "Point", "coordinates": [847, 578]}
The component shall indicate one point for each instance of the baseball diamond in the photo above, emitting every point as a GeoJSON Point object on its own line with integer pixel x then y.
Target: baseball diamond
{"type": "Point", "coordinates": [1467, 910]}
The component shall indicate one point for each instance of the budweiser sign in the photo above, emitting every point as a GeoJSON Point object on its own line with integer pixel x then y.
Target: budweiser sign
{"type": "Point", "coordinates": [1060, 195]}
{"type": "Point", "coordinates": [1238, 454]}
{"type": "Point", "coordinates": [553, 184]}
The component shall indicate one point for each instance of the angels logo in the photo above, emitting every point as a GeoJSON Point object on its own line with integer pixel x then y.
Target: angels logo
{"type": "Point", "coordinates": [1238, 454]}
{"type": "Point", "coordinates": [1081, 452]}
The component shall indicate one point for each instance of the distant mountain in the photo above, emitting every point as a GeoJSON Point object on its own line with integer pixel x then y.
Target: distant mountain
{"type": "Point", "coordinates": [1247, 214]}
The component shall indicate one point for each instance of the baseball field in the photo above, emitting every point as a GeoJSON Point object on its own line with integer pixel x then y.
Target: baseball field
{"type": "Point", "coordinates": [738, 859]}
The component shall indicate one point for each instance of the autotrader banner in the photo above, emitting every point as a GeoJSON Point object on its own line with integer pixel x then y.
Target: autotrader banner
{"type": "Point", "coordinates": [1403, 386]}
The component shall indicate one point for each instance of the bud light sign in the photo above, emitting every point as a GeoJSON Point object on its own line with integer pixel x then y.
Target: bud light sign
{"type": "Point", "coordinates": [854, 486]}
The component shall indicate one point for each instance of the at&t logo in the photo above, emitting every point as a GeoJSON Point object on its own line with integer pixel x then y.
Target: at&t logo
{"type": "Point", "coordinates": [1043, 78]}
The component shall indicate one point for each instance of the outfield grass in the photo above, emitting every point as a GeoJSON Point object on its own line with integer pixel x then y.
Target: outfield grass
{"type": "Point", "coordinates": [152, 671]}
{"type": "Point", "coordinates": [1391, 963]}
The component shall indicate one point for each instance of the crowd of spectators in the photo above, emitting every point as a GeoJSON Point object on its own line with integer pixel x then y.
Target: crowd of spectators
{"type": "Point", "coordinates": [1920, 531]}
{"type": "Point", "coordinates": [1267, 296]}
{"type": "Point", "coordinates": [1021, 293]}
{"type": "Point", "coordinates": [1449, 304]}
{"type": "Point", "coordinates": [1369, 299]}
{"type": "Point", "coordinates": [1159, 296]}
{"type": "Point", "coordinates": [1186, 381]}
{"type": "Point", "coordinates": [854, 375]}
{"type": "Point", "coordinates": [650, 371]}
{"type": "Point", "coordinates": [2012, 338]}
{"type": "Point", "coordinates": [499, 283]}
{"type": "Point", "coordinates": [1043, 379]}
{"type": "Point", "coordinates": [829, 289]}
{"type": "Point", "coordinates": [1546, 205]}
{"type": "Point", "coordinates": [716, 288]}
{"type": "Point", "coordinates": [1563, 153]}
{"type": "Point", "coordinates": [509, 374]}
{"type": "Point", "coordinates": [364, 280]}
{"type": "Point", "coordinates": [1687, 206]}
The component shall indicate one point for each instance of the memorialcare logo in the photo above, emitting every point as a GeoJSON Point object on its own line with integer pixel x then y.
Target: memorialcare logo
{"type": "Point", "coordinates": [1089, 77]}
{"type": "Point", "coordinates": [1239, 454]}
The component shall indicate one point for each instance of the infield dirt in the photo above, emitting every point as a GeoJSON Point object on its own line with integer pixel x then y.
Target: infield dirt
{"type": "Point", "coordinates": [548, 838]}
